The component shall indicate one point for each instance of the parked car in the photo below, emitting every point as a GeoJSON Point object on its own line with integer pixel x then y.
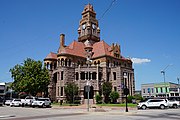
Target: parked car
{"type": "Point", "coordinates": [8, 102]}
{"type": "Point", "coordinates": [28, 101]}
{"type": "Point", "coordinates": [41, 102]}
{"type": "Point", "coordinates": [1, 101]}
{"type": "Point", "coordinates": [153, 103]}
{"type": "Point", "coordinates": [16, 102]}
{"type": "Point", "coordinates": [173, 103]}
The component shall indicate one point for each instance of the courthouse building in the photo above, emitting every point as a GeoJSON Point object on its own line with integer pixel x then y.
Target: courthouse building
{"type": "Point", "coordinates": [88, 60]}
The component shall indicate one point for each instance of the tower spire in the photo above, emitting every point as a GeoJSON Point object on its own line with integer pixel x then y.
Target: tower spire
{"type": "Point", "coordinates": [88, 25]}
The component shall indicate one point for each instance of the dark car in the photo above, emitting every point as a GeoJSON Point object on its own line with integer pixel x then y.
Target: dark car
{"type": "Point", "coordinates": [1, 101]}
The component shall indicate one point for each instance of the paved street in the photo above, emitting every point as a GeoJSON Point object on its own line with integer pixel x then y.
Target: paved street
{"type": "Point", "coordinates": [18, 113]}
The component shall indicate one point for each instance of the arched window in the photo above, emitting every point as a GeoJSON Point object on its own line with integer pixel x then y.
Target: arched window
{"type": "Point", "coordinates": [48, 66]}
{"type": "Point", "coordinates": [65, 62]}
{"type": "Point", "coordinates": [62, 62]}
{"type": "Point", "coordinates": [51, 66]}
{"type": "Point", "coordinates": [58, 62]}
{"type": "Point", "coordinates": [98, 62]}
{"type": "Point", "coordinates": [69, 62]}
{"type": "Point", "coordinates": [95, 63]}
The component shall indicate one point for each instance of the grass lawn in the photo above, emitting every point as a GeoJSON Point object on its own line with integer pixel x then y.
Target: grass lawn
{"type": "Point", "coordinates": [118, 105]}
{"type": "Point", "coordinates": [65, 104]}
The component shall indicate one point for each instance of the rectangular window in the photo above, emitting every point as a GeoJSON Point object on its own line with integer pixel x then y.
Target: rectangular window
{"type": "Point", "coordinates": [152, 89]}
{"type": "Point", "coordinates": [144, 90]}
{"type": "Point", "coordinates": [58, 91]}
{"type": "Point", "coordinates": [62, 91]}
{"type": "Point", "coordinates": [115, 88]}
{"type": "Point", "coordinates": [161, 90]}
{"type": "Point", "coordinates": [114, 74]}
{"type": "Point", "coordinates": [77, 76]}
{"type": "Point", "coordinates": [82, 75]}
{"type": "Point", "coordinates": [166, 89]}
{"type": "Point", "coordinates": [108, 76]}
{"type": "Point", "coordinates": [156, 90]}
{"type": "Point", "coordinates": [62, 74]}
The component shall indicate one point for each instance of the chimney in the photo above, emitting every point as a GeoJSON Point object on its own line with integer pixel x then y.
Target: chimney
{"type": "Point", "coordinates": [62, 40]}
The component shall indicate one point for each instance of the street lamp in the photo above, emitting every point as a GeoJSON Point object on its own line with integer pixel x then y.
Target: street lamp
{"type": "Point", "coordinates": [126, 90]}
{"type": "Point", "coordinates": [88, 62]}
{"type": "Point", "coordinates": [163, 72]}
{"type": "Point", "coordinates": [88, 90]}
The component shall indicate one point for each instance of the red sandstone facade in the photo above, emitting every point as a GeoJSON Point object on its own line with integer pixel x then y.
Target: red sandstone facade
{"type": "Point", "coordinates": [88, 59]}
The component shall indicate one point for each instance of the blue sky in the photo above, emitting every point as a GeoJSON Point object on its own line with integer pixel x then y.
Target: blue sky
{"type": "Point", "coordinates": [147, 30]}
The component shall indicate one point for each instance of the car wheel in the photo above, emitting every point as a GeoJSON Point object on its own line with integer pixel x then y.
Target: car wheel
{"type": "Point", "coordinates": [144, 107]}
{"type": "Point", "coordinates": [174, 106]}
{"type": "Point", "coordinates": [162, 106]}
{"type": "Point", "coordinates": [43, 105]}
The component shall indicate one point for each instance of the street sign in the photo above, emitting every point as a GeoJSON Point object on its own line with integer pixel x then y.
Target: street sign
{"type": "Point", "coordinates": [87, 88]}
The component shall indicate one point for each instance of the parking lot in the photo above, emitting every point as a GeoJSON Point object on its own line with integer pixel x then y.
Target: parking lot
{"type": "Point", "coordinates": [56, 113]}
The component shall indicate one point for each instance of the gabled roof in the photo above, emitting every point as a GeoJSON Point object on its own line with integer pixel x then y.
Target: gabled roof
{"type": "Point", "coordinates": [78, 49]}
{"type": "Point", "coordinates": [51, 55]}
{"type": "Point", "coordinates": [100, 49]}
{"type": "Point", "coordinates": [75, 48]}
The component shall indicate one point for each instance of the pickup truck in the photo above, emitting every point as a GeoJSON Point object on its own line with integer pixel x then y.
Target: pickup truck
{"type": "Point", "coordinates": [173, 103]}
{"type": "Point", "coordinates": [28, 101]}
{"type": "Point", "coordinates": [41, 102]}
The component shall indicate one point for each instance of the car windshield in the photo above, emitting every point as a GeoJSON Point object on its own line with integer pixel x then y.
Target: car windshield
{"type": "Point", "coordinates": [42, 99]}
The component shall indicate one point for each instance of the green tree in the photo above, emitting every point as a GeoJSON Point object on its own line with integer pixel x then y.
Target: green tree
{"type": "Point", "coordinates": [71, 91]}
{"type": "Point", "coordinates": [138, 97]}
{"type": "Point", "coordinates": [130, 98]}
{"type": "Point", "coordinates": [114, 95]}
{"type": "Point", "coordinates": [107, 88]}
{"type": "Point", "coordinates": [98, 99]}
{"type": "Point", "coordinates": [30, 77]}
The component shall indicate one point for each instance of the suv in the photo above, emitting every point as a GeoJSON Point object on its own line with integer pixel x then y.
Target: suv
{"type": "Point", "coordinates": [153, 103]}
{"type": "Point", "coordinates": [41, 102]}
{"type": "Point", "coordinates": [28, 101]}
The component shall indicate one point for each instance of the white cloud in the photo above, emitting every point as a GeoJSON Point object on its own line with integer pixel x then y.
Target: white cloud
{"type": "Point", "coordinates": [140, 60]}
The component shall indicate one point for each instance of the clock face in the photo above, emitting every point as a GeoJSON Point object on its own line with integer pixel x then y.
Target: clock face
{"type": "Point", "coordinates": [83, 26]}
{"type": "Point", "coordinates": [93, 26]}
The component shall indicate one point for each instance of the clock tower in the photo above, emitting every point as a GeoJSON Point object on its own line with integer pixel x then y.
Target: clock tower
{"type": "Point", "coordinates": [88, 26]}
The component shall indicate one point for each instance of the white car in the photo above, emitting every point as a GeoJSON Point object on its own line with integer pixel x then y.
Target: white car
{"type": "Point", "coordinates": [41, 102]}
{"type": "Point", "coordinates": [173, 104]}
{"type": "Point", "coordinates": [28, 101]}
{"type": "Point", "coordinates": [153, 103]}
{"type": "Point", "coordinates": [16, 102]}
{"type": "Point", "coordinates": [8, 102]}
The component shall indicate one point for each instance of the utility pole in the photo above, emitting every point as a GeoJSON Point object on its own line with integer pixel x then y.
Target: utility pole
{"type": "Point", "coordinates": [164, 76]}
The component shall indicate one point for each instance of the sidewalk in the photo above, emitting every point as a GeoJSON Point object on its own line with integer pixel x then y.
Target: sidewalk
{"type": "Point", "coordinates": [95, 108]}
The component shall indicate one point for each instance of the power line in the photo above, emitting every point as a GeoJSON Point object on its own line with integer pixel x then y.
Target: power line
{"type": "Point", "coordinates": [107, 9]}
